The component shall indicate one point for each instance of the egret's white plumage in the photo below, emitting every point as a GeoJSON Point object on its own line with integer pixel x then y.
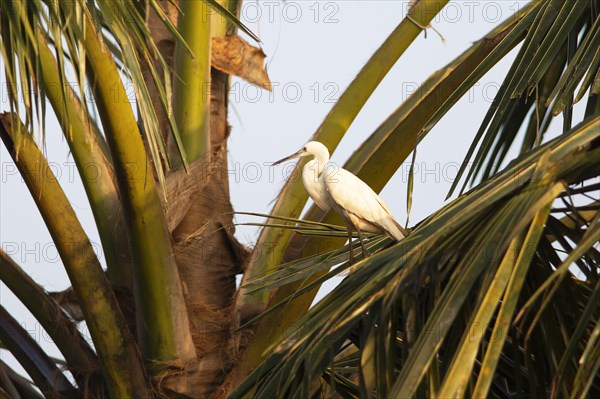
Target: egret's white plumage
{"type": "Point", "coordinates": [312, 174]}
{"type": "Point", "coordinates": [332, 187]}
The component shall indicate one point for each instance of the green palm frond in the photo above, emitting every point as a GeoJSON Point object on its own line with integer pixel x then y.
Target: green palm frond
{"type": "Point", "coordinates": [559, 54]}
{"type": "Point", "coordinates": [94, 292]}
{"type": "Point", "coordinates": [464, 258]}
{"type": "Point", "coordinates": [124, 33]}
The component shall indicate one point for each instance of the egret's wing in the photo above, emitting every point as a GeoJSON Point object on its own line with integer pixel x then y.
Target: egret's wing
{"type": "Point", "coordinates": [356, 197]}
{"type": "Point", "coordinates": [319, 196]}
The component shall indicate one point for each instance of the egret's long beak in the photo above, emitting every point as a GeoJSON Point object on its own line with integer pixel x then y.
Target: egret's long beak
{"type": "Point", "coordinates": [297, 154]}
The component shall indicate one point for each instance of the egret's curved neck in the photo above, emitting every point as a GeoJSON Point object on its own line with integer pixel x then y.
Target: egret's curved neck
{"type": "Point", "coordinates": [313, 170]}
{"type": "Point", "coordinates": [322, 158]}
{"type": "Point", "coordinates": [317, 164]}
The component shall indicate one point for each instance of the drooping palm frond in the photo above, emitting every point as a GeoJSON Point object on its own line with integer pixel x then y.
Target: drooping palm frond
{"type": "Point", "coordinates": [79, 31]}
{"type": "Point", "coordinates": [428, 306]}
{"type": "Point", "coordinates": [62, 24]}
{"type": "Point", "coordinates": [113, 340]}
{"type": "Point", "coordinates": [124, 32]}
{"type": "Point", "coordinates": [559, 54]}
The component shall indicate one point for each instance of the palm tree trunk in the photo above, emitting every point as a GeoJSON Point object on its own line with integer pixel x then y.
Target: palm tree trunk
{"type": "Point", "coordinates": [200, 219]}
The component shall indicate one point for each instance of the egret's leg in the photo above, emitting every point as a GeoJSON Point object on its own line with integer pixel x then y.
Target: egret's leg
{"type": "Point", "coordinates": [349, 230]}
{"type": "Point", "coordinates": [362, 244]}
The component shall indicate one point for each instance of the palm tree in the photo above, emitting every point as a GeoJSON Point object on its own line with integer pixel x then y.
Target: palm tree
{"type": "Point", "coordinates": [495, 294]}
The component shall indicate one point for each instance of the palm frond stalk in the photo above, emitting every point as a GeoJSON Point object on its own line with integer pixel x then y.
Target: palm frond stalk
{"type": "Point", "coordinates": [105, 321]}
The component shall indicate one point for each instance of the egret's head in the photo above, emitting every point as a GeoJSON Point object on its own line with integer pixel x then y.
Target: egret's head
{"type": "Point", "coordinates": [312, 148]}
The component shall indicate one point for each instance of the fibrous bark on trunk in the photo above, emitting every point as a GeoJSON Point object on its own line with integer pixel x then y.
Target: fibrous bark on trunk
{"type": "Point", "coordinates": [200, 218]}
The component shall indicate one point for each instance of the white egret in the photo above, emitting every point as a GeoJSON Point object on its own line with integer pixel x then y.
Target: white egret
{"type": "Point", "coordinates": [332, 187]}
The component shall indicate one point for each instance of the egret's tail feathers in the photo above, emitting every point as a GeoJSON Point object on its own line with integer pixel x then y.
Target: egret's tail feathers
{"type": "Point", "coordinates": [395, 231]}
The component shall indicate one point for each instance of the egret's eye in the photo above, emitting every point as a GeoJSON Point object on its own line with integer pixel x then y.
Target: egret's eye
{"type": "Point", "coordinates": [304, 149]}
